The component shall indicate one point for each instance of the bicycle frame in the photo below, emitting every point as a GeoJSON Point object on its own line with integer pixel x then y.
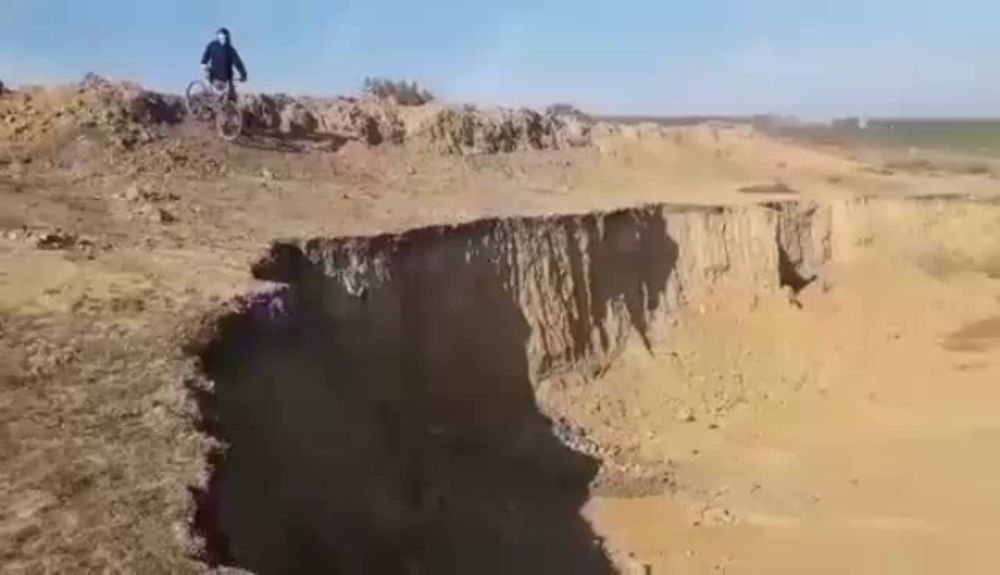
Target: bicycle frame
{"type": "Point", "coordinates": [219, 99]}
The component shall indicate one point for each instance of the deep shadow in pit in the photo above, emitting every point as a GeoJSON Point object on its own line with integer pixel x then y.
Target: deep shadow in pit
{"type": "Point", "coordinates": [394, 429]}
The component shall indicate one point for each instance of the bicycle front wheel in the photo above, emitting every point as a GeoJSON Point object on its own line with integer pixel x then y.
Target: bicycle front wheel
{"type": "Point", "coordinates": [229, 120]}
{"type": "Point", "coordinates": [198, 99]}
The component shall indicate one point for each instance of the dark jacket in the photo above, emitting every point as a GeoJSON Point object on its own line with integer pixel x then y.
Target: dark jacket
{"type": "Point", "coordinates": [222, 58]}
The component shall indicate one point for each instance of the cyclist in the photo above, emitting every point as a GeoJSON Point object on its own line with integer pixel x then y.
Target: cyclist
{"type": "Point", "coordinates": [219, 60]}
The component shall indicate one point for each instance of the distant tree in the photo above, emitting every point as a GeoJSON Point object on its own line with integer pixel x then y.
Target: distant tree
{"type": "Point", "coordinates": [402, 92]}
{"type": "Point", "coordinates": [565, 109]}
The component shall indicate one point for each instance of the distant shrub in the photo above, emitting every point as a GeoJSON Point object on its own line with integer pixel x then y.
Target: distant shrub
{"type": "Point", "coordinates": [914, 166]}
{"type": "Point", "coordinates": [564, 109]}
{"type": "Point", "coordinates": [976, 169]}
{"type": "Point", "coordinates": [402, 92]}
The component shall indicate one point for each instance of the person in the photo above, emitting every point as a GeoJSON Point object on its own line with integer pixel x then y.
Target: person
{"type": "Point", "coordinates": [219, 60]}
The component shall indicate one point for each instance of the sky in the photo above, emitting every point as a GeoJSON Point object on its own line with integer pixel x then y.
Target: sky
{"type": "Point", "coordinates": [810, 58]}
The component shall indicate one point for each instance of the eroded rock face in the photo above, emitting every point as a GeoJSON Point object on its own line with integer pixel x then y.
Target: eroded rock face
{"type": "Point", "coordinates": [584, 284]}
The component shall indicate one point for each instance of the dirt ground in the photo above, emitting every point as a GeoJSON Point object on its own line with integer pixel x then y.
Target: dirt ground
{"type": "Point", "coordinates": [848, 429]}
{"type": "Point", "coordinates": [849, 436]}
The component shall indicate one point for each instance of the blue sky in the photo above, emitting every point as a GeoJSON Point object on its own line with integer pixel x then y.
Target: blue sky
{"type": "Point", "coordinates": [814, 58]}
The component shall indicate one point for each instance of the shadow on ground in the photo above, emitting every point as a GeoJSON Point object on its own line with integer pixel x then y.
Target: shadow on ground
{"type": "Point", "coordinates": [391, 433]}
{"type": "Point", "coordinates": [276, 141]}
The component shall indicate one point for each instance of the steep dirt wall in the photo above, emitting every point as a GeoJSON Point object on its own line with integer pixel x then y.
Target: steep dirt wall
{"type": "Point", "coordinates": [585, 284]}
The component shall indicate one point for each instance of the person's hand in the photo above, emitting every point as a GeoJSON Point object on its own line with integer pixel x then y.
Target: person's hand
{"type": "Point", "coordinates": [243, 79]}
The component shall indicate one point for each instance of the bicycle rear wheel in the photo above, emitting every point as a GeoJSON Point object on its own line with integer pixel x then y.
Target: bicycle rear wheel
{"type": "Point", "coordinates": [198, 98]}
{"type": "Point", "coordinates": [229, 120]}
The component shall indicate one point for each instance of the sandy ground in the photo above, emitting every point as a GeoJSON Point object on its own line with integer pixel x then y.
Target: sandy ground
{"type": "Point", "coordinates": [854, 435]}
{"type": "Point", "coordinates": [847, 431]}
{"type": "Point", "coordinates": [861, 437]}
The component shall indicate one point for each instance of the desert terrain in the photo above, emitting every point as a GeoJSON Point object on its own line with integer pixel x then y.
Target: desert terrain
{"type": "Point", "coordinates": [367, 338]}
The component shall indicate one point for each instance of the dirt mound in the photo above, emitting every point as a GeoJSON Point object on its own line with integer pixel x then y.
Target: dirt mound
{"type": "Point", "coordinates": [122, 113]}
{"type": "Point", "coordinates": [472, 131]}
{"type": "Point", "coordinates": [369, 121]}
{"type": "Point", "coordinates": [449, 130]}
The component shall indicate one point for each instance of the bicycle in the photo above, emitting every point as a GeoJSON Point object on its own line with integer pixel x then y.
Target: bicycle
{"type": "Point", "coordinates": [213, 101]}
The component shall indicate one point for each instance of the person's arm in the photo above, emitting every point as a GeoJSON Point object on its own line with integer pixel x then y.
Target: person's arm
{"type": "Point", "coordinates": [238, 62]}
{"type": "Point", "coordinates": [207, 56]}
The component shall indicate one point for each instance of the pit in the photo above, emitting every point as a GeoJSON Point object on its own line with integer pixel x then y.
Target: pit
{"type": "Point", "coordinates": [456, 399]}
